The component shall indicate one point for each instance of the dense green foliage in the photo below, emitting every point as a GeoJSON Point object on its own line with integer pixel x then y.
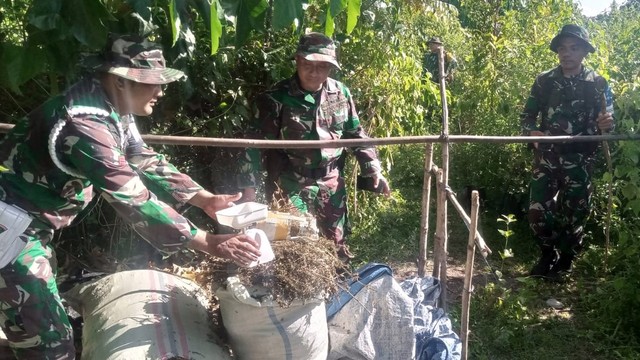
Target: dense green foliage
{"type": "Point", "coordinates": [233, 50]}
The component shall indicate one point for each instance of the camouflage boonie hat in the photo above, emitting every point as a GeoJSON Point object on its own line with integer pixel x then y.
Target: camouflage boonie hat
{"type": "Point", "coordinates": [317, 47]}
{"type": "Point", "coordinates": [574, 31]}
{"type": "Point", "coordinates": [137, 59]}
{"type": "Point", "coordinates": [434, 40]}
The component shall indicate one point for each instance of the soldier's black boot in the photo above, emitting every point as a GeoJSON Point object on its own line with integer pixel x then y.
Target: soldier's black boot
{"type": "Point", "coordinates": [562, 268]}
{"type": "Point", "coordinates": [548, 258]}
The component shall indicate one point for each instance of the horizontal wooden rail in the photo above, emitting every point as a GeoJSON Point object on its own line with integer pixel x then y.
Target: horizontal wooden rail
{"type": "Point", "coordinates": [313, 144]}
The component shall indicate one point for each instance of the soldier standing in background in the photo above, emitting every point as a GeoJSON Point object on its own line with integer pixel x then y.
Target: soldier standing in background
{"type": "Point", "coordinates": [430, 61]}
{"type": "Point", "coordinates": [568, 100]}
{"type": "Point", "coordinates": [311, 106]}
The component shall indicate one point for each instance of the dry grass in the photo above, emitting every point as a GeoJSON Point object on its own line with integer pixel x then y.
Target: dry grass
{"type": "Point", "coordinates": [303, 269]}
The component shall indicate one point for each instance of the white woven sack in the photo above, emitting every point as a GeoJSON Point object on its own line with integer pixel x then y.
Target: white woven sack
{"type": "Point", "coordinates": [144, 314]}
{"type": "Point", "coordinates": [376, 324]}
{"type": "Point", "coordinates": [271, 332]}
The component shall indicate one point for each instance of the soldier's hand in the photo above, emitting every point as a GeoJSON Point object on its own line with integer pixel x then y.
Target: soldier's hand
{"type": "Point", "coordinates": [605, 122]}
{"type": "Point", "coordinates": [379, 180]}
{"type": "Point", "coordinates": [211, 203]}
{"type": "Point", "coordinates": [239, 248]}
{"type": "Point", "coordinates": [536, 133]}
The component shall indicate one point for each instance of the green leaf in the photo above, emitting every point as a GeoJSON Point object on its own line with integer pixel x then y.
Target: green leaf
{"type": "Point", "coordinates": [335, 7]}
{"type": "Point", "coordinates": [285, 12]}
{"type": "Point", "coordinates": [630, 191]}
{"type": "Point", "coordinates": [142, 8]}
{"type": "Point", "coordinates": [215, 27]}
{"type": "Point", "coordinates": [176, 23]}
{"type": "Point", "coordinates": [88, 17]}
{"type": "Point", "coordinates": [45, 14]}
{"type": "Point", "coordinates": [353, 13]}
{"type": "Point", "coordinates": [203, 7]}
{"type": "Point", "coordinates": [329, 25]}
{"type": "Point", "coordinates": [20, 64]}
{"type": "Point", "coordinates": [635, 206]}
{"type": "Point", "coordinates": [249, 15]}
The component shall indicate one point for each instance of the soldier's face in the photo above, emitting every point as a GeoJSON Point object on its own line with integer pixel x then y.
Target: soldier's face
{"type": "Point", "coordinates": [141, 97]}
{"type": "Point", "coordinates": [434, 47]}
{"type": "Point", "coordinates": [571, 52]}
{"type": "Point", "coordinates": [312, 74]}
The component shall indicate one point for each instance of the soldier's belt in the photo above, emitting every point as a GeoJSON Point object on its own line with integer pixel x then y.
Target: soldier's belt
{"type": "Point", "coordinates": [315, 173]}
{"type": "Point", "coordinates": [13, 222]}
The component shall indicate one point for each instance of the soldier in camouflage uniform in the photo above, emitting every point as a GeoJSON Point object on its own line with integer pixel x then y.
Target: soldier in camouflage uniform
{"type": "Point", "coordinates": [430, 61]}
{"type": "Point", "coordinates": [81, 142]}
{"type": "Point", "coordinates": [571, 100]}
{"type": "Point", "coordinates": [311, 106]}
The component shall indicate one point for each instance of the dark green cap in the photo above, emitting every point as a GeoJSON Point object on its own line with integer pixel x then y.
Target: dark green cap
{"type": "Point", "coordinates": [574, 31]}
{"type": "Point", "coordinates": [317, 47]}
{"type": "Point", "coordinates": [435, 40]}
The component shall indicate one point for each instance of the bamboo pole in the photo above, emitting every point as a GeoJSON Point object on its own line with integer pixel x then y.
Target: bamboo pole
{"type": "Point", "coordinates": [438, 244]}
{"type": "Point", "coordinates": [400, 140]}
{"type": "Point", "coordinates": [445, 178]}
{"type": "Point", "coordinates": [468, 275]}
{"type": "Point", "coordinates": [480, 243]}
{"type": "Point", "coordinates": [424, 219]}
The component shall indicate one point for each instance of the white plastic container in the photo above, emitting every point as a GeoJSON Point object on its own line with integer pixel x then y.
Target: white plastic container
{"type": "Point", "coordinates": [265, 247]}
{"type": "Point", "coordinates": [242, 215]}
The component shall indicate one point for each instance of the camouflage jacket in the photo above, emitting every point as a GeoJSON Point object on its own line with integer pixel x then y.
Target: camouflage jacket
{"type": "Point", "coordinates": [566, 105]}
{"type": "Point", "coordinates": [430, 64]}
{"type": "Point", "coordinates": [287, 112]}
{"type": "Point", "coordinates": [99, 150]}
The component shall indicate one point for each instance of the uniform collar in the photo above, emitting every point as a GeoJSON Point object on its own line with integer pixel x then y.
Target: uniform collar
{"type": "Point", "coordinates": [585, 74]}
{"type": "Point", "coordinates": [330, 86]}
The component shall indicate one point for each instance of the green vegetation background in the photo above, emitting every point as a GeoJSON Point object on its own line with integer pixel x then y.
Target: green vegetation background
{"type": "Point", "coordinates": [233, 50]}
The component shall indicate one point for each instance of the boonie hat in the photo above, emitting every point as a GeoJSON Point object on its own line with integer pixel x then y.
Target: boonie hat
{"type": "Point", "coordinates": [434, 40]}
{"type": "Point", "coordinates": [317, 47]}
{"type": "Point", "coordinates": [135, 58]}
{"type": "Point", "coordinates": [574, 31]}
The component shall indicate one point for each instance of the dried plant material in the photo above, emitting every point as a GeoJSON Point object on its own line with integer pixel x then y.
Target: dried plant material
{"type": "Point", "coordinates": [280, 202]}
{"type": "Point", "coordinates": [304, 269]}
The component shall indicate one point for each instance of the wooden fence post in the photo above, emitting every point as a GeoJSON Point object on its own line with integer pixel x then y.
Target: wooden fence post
{"type": "Point", "coordinates": [468, 275]}
{"type": "Point", "coordinates": [442, 205]}
{"type": "Point", "coordinates": [424, 220]}
{"type": "Point", "coordinates": [439, 248]}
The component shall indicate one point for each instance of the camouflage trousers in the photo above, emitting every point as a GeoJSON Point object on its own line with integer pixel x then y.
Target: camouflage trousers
{"type": "Point", "coordinates": [325, 198]}
{"type": "Point", "coordinates": [31, 312]}
{"type": "Point", "coordinates": [560, 199]}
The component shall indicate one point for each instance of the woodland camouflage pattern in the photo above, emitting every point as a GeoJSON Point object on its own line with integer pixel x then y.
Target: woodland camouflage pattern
{"type": "Point", "coordinates": [317, 47]}
{"type": "Point", "coordinates": [137, 59]}
{"type": "Point", "coordinates": [107, 150]}
{"type": "Point", "coordinates": [430, 64]}
{"type": "Point", "coordinates": [32, 315]}
{"type": "Point", "coordinates": [287, 112]}
{"type": "Point", "coordinates": [567, 106]}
